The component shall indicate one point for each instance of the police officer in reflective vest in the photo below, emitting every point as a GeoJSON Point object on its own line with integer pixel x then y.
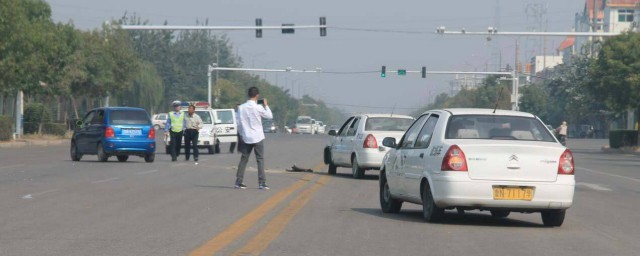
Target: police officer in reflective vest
{"type": "Point", "coordinates": [175, 129]}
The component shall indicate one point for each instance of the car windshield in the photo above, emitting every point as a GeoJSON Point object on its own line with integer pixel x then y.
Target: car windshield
{"type": "Point", "coordinates": [129, 117]}
{"type": "Point", "coordinates": [387, 124]}
{"type": "Point", "coordinates": [225, 117]}
{"type": "Point", "coordinates": [304, 120]}
{"type": "Point", "coordinates": [203, 114]}
{"type": "Point", "coordinates": [496, 127]}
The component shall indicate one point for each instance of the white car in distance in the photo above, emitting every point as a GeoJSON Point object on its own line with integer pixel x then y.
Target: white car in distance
{"type": "Point", "coordinates": [358, 143]}
{"type": "Point", "coordinates": [478, 159]}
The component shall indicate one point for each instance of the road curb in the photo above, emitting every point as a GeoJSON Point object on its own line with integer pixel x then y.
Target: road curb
{"type": "Point", "coordinates": [28, 143]}
{"type": "Point", "coordinates": [623, 150]}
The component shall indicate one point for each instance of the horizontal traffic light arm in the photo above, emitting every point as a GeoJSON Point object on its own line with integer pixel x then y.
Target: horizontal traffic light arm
{"type": "Point", "coordinates": [455, 72]}
{"type": "Point", "coordinates": [162, 27]}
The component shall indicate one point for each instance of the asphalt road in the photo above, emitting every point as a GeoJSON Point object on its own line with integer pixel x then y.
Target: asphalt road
{"type": "Point", "coordinates": [50, 205]}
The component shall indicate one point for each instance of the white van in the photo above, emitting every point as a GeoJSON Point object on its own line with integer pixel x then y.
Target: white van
{"type": "Point", "coordinates": [226, 127]}
{"type": "Point", "coordinates": [207, 137]}
{"type": "Point", "coordinates": [304, 124]}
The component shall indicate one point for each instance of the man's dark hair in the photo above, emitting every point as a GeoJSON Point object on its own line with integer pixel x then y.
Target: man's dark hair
{"type": "Point", "coordinates": [192, 106]}
{"type": "Point", "coordinates": [253, 92]}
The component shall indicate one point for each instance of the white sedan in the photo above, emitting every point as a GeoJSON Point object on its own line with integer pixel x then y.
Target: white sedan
{"type": "Point", "coordinates": [358, 143]}
{"type": "Point", "coordinates": [478, 159]}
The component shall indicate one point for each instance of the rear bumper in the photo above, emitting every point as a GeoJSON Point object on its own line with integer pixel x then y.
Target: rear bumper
{"type": "Point", "coordinates": [455, 189]}
{"type": "Point", "coordinates": [371, 158]}
{"type": "Point", "coordinates": [123, 147]}
{"type": "Point", "coordinates": [231, 138]}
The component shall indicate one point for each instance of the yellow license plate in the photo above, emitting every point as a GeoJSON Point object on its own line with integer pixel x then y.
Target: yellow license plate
{"type": "Point", "coordinates": [512, 193]}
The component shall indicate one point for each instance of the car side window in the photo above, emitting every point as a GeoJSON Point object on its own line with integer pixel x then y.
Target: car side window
{"type": "Point", "coordinates": [424, 138]}
{"type": "Point", "coordinates": [87, 119]}
{"type": "Point", "coordinates": [412, 134]}
{"type": "Point", "coordinates": [345, 127]}
{"type": "Point", "coordinates": [98, 117]}
{"type": "Point", "coordinates": [353, 129]}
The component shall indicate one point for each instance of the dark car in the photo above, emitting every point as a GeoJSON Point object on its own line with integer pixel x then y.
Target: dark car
{"type": "Point", "coordinates": [114, 131]}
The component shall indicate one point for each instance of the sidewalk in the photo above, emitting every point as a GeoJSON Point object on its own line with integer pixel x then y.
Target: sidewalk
{"type": "Point", "coordinates": [29, 142]}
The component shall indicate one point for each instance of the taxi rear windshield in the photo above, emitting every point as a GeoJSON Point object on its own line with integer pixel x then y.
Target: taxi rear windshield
{"type": "Point", "coordinates": [495, 127]}
{"type": "Point", "coordinates": [129, 117]}
{"type": "Point", "coordinates": [387, 124]}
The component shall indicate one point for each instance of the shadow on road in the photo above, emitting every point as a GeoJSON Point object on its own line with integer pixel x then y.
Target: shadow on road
{"type": "Point", "coordinates": [349, 176]}
{"type": "Point", "coordinates": [452, 218]}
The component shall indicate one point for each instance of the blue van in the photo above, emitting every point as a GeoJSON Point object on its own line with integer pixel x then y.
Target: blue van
{"type": "Point", "coordinates": [114, 131]}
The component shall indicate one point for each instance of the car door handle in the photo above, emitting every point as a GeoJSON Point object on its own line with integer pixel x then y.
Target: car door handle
{"type": "Point", "coordinates": [421, 155]}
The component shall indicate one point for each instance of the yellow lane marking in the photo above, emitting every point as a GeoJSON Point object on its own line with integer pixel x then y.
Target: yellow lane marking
{"type": "Point", "coordinates": [231, 233]}
{"type": "Point", "coordinates": [274, 228]}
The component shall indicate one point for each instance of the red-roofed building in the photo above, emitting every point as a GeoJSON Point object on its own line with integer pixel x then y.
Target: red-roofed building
{"type": "Point", "coordinates": [612, 16]}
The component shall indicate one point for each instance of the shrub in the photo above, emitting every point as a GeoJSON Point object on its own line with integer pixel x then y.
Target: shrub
{"type": "Point", "coordinates": [33, 116]}
{"type": "Point", "coordinates": [54, 129]}
{"type": "Point", "coordinates": [6, 127]}
{"type": "Point", "coordinates": [623, 138]}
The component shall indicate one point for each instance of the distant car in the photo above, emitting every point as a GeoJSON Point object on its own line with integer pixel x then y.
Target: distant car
{"type": "Point", "coordinates": [321, 127]}
{"type": "Point", "coordinates": [358, 143]}
{"type": "Point", "coordinates": [305, 125]}
{"type": "Point", "coordinates": [268, 126]}
{"type": "Point", "coordinates": [159, 120]}
{"type": "Point", "coordinates": [466, 159]}
{"type": "Point", "coordinates": [117, 131]}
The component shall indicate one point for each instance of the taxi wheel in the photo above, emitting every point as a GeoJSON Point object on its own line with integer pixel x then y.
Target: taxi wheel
{"type": "Point", "coordinates": [500, 213]}
{"type": "Point", "coordinates": [430, 211]}
{"type": "Point", "coordinates": [149, 158]}
{"type": "Point", "coordinates": [102, 156]}
{"type": "Point", "coordinates": [122, 158]}
{"type": "Point", "coordinates": [388, 203]}
{"type": "Point", "coordinates": [358, 173]}
{"type": "Point", "coordinates": [553, 218]}
{"type": "Point", "coordinates": [75, 156]}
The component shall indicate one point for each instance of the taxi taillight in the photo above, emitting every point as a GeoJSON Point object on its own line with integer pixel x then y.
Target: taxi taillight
{"type": "Point", "coordinates": [109, 132]}
{"type": "Point", "coordinates": [454, 160]}
{"type": "Point", "coordinates": [566, 165]}
{"type": "Point", "coordinates": [370, 142]}
{"type": "Point", "coordinates": [152, 133]}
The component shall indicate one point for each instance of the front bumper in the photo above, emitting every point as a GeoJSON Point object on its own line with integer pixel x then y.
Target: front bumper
{"type": "Point", "coordinates": [456, 189]}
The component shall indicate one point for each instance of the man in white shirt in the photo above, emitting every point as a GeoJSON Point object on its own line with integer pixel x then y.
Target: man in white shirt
{"type": "Point", "coordinates": [250, 116]}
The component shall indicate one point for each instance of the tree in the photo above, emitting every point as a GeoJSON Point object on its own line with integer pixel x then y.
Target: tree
{"type": "Point", "coordinates": [615, 78]}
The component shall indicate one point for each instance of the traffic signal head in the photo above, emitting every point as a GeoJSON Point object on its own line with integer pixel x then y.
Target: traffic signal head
{"type": "Point", "coordinates": [383, 73]}
{"type": "Point", "coordinates": [258, 31]}
{"type": "Point", "coordinates": [323, 30]}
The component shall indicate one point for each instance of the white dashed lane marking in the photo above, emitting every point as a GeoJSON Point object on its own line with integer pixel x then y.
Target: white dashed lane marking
{"type": "Point", "coordinates": [105, 180]}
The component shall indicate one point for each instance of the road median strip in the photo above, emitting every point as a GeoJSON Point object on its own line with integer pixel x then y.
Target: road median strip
{"type": "Point", "coordinates": [241, 226]}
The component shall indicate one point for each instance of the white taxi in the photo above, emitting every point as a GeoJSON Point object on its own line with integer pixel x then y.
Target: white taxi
{"type": "Point", "coordinates": [478, 159]}
{"type": "Point", "coordinates": [358, 143]}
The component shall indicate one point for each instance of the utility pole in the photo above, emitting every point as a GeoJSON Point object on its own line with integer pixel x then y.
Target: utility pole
{"type": "Point", "coordinates": [516, 79]}
{"type": "Point", "coordinates": [544, 51]}
{"type": "Point", "coordinates": [594, 25]}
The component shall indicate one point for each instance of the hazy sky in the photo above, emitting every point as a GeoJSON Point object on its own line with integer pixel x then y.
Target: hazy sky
{"type": "Point", "coordinates": [344, 50]}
